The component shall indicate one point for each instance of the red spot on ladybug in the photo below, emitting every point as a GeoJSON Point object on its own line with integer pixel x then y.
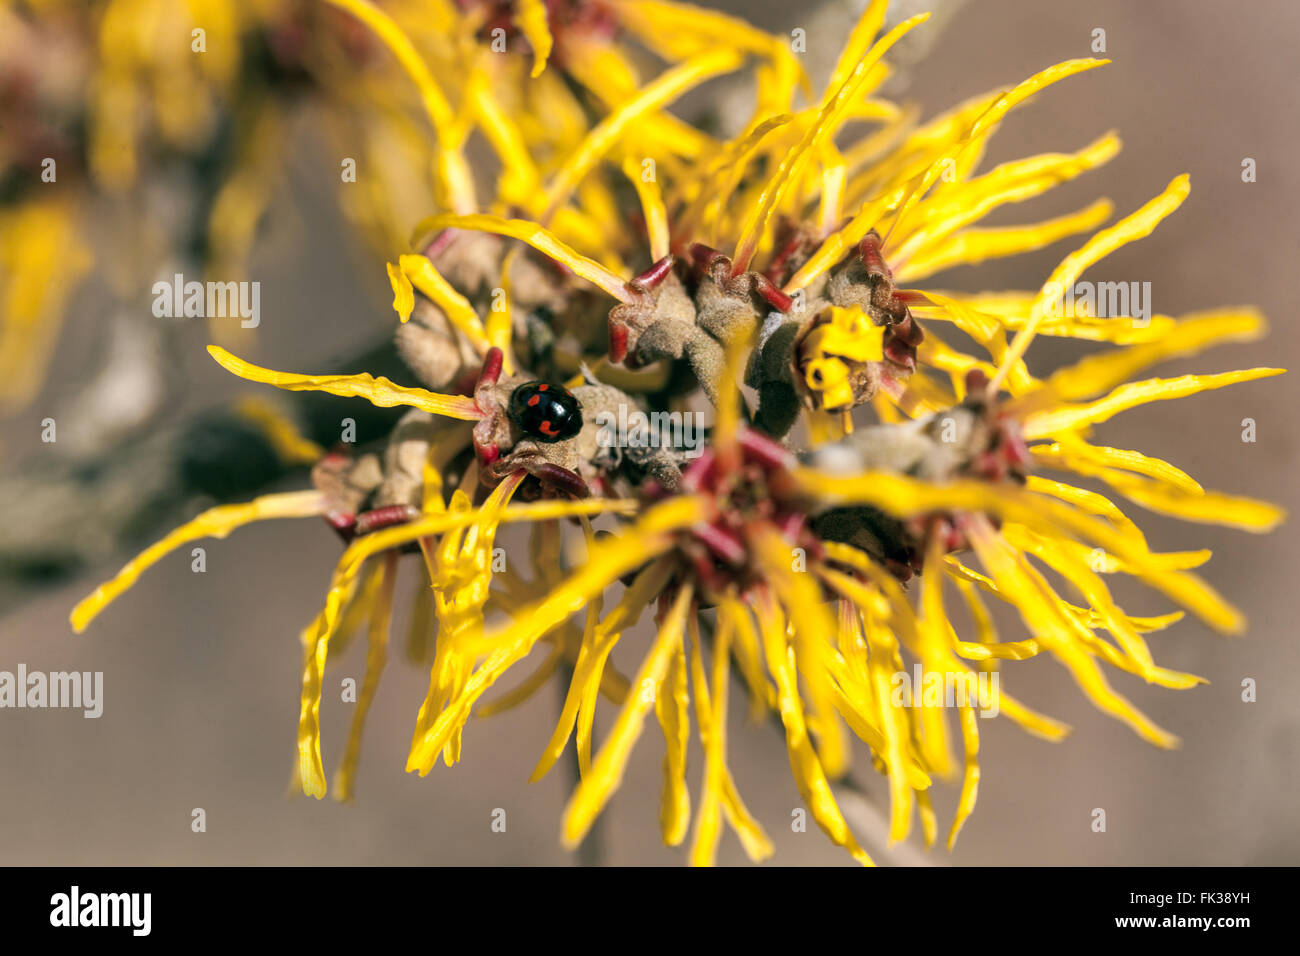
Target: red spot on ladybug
{"type": "Point", "coordinates": [544, 412]}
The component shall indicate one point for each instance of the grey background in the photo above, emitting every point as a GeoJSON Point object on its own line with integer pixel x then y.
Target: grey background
{"type": "Point", "coordinates": [202, 671]}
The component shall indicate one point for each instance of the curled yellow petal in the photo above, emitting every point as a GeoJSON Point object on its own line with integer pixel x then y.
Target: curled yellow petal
{"type": "Point", "coordinates": [537, 237]}
{"type": "Point", "coordinates": [808, 771]}
{"type": "Point", "coordinates": [961, 203]}
{"type": "Point", "coordinates": [970, 247]}
{"type": "Point", "coordinates": [532, 23]}
{"type": "Point", "coordinates": [1096, 459]}
{"type": "Point", "coordinates": [1129, 229]}
{"type": "Point", "coordinates": [1041, 615]}
{"type": "Point", "coordinates": [214, 523]}
{"type": "Point", "coordinates": [671, 707]}
{"type": "Point", "coordinates": [1097, 373]}
{"type": "Point", "coordinates": [527, 688]}
{"type": "Point", "coordinates": [1068, 417]}
{"type": "Point", "coordinates": [663, 90]}
{"type": "Point", "coordinates": [597, 643]}
{"type": "Point", "coordinates": [455, 306]}
{"type": "Point", "coordinates": [609, 561]}
{"type": "Point", "coordinates": [644, 178]}
{"type": "Point", "coordinates": [835, 246]}
{"type": "Point", "coordinates": [378, 391]}
{"type": "Point", "coordinates": [1206, 507]}
{"type": "Point", "coordinates": [376, 654]}
{"type": "Point", "coordinates": [859, 42]}
{"type": "Point", "coordinates": [970, 734]}
{"type": "Point", "coordinates": [458, 182]}
{"type": "Point", "coordinates": [904, 497]}
{"type": "Point", "coordinates": [293, 447]}
{"type": "Point", "coordinates": [607, 771]}
{"type": "Point", "coordinates": [403, 294]}
{"type": "Point", "coordinates": [828, 122]}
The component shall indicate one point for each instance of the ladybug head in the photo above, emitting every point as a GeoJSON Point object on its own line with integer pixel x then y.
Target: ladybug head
{"type": "Point", "coordinates": [545, 412]}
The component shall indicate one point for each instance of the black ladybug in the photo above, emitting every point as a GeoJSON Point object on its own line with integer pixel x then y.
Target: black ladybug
{"type": "Point", "coordinates": [547, 413]}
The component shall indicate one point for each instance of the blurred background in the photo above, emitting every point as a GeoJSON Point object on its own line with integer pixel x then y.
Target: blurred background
{"type": "Point", "coordinates": [201, 671]}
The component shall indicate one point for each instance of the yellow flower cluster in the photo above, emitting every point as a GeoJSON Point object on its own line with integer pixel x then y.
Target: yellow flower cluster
{"type": "Point", "coordinates": [816, 642]}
